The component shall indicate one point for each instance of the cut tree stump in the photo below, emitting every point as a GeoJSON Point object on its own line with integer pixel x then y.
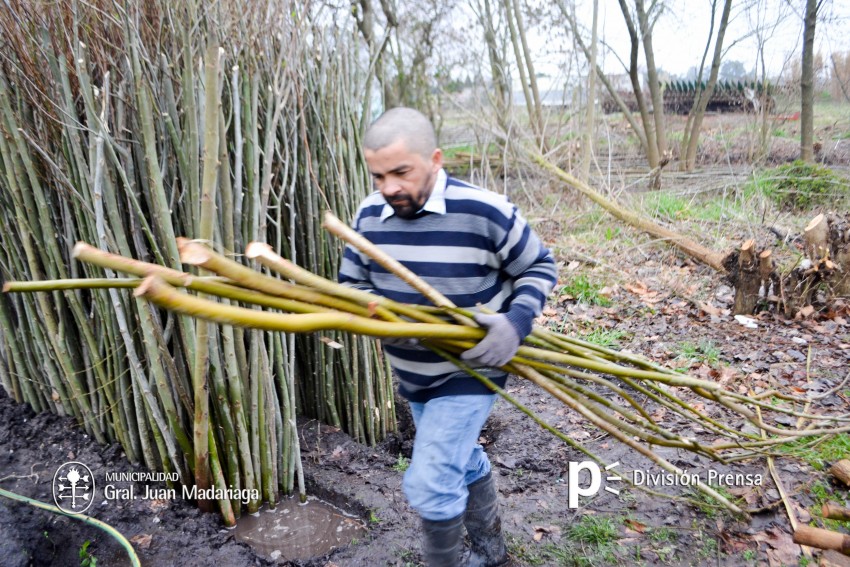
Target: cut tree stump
{"type": "Point", "coordinates": [821, 276]}
{"type": "Point", "coordinates": [749, 279]}
{"type": "Point", "coordinates": [822, 539]}
{"type": "Point", "coordinates": [841, 471]}
{"type": "Point", "coordinates": [835, 512]}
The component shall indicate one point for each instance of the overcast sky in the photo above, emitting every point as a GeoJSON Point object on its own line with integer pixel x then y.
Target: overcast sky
{"type": "Point", "coordinates": [680, 35]}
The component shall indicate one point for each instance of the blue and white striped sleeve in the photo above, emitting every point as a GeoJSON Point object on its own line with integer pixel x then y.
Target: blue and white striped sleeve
{"type": "Point", "coordinates": [354, 268]}
{"type": "Point", "coordinates": [532, 267]}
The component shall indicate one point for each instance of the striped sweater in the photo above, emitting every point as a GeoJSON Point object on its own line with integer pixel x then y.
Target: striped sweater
{"type": "Point", "coordinates": [474, 247]}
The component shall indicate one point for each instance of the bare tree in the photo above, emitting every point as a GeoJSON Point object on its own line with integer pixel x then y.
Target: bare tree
{"type": "Point", "coordinates": [807, 82]}
{"type": "Point", "coordinates": [691, 135]}
{"type": "Point", "coordinates": [496, 57]}
{"type": "Point", "coordinates": [587, 135]}
{"type": "Point", "coordinates": [525, 66]}
{"type": "Point", "coordinates": [570, 15]}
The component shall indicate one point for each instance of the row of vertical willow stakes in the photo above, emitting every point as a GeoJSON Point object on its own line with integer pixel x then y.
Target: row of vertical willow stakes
{"type": "Point", "coordinates": [577, 374]}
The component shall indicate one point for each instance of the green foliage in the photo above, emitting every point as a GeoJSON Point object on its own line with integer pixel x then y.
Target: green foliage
{"type": "Point", "coordinates": [595, 530]}
{"type": "Point", "coordinates": [663, 534]}
{"type": "Point", "coordinates": [705, 352]}
{"type": "Point", "coordinates": [820, 453]}
{"type": "Point", "coordinates": [87, 559]}
{"type": "Point", "coordinates": [604, 337]}
{"type": "Point", "coordinates": [800, 185]}
{"type": "Point", "coordinates": [401, 464]}
{"type": "Point", "coordinates": [585, 291]}
{"type": "Point", "coordinates": [667, 206]}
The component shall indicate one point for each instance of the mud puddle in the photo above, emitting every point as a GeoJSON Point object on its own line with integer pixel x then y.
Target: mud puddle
{"type": "Point", "coordinates": [295, 531]}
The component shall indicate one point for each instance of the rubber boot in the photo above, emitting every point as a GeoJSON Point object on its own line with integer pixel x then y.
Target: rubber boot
{"type": "Point", "coordinates": [484, 526]}
{"type": "Point", "coordinates": [442, 542]}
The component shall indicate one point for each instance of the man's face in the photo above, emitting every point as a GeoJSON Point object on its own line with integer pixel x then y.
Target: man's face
{"type": "Point", "coordinates": [404, 178]}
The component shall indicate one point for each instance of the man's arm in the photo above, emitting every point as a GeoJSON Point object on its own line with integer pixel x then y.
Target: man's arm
{"type": "Point", "coordinates": [532, 269]}
{"type": "Point", "coordinates": [354, 270]}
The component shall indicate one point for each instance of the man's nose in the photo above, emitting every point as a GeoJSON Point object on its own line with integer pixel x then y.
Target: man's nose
{"type": "Point", "coordinates": [391, 188]}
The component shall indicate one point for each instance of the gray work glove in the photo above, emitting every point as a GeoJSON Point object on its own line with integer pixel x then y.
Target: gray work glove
{"type": "Point", "coordinates": [498, 346]}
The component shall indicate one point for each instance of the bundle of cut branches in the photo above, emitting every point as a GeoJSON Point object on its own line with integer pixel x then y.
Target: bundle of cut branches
{"type": "Point", "coordinates": [572, 371]}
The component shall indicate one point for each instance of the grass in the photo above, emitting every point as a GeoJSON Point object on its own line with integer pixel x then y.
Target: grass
{"type": "Point", "coordinates": [801, 186]}
{"type": "Point", "coordinates": [589, 542]}
{"type": "Point", "coordinates": [821, 453]}
{"type": "Point", "coordinates": [583, 290]}
{"type": "Point", "coordinates": [604, 337]}
{"type": "Point", "coordinates": [822, 493]}
{"type": "Point", "coordinates": [705, 352]}
{"type": "Point", "coordinates": [709, 506]}
{"type": "Point", "coordinates": [667, 205]}
{"type": "Point", "coordinates": [596, 530]}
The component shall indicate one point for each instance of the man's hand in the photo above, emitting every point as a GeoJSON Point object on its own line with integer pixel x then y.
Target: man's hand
{"type": "Point", "coordinates": [498, 347]}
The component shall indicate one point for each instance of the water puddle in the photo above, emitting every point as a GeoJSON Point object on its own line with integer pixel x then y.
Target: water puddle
{"type": "Point", "coordinates": [294, 531]}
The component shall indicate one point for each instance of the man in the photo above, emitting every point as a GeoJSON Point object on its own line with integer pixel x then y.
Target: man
{"type": "Point", "coordinates": [474, 247]}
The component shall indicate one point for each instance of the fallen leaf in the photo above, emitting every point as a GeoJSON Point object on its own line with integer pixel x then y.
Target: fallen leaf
{"type": "Point", "coordinates": [158, 504]}
{"type": "Point", "coordinates": [142, 541]}
{"type": "Point", "coordinates": [338, 452]}
{"type": "Point", "coordinates": [710, 309]}
{"type": "Point", "coordinates": [540, 531]}
{"type": "Point", "coordinates": [805, 312]}
{"type": "Point", "coordinates": [638, 288]}
{"type": "Point", "coordinates": [636, 526]}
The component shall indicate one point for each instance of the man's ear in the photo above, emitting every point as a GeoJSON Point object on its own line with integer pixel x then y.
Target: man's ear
{"type": "Point", "coordinates": [437, 160]}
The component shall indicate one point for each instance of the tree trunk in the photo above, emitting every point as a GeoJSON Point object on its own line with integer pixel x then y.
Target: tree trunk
{"type": "Point", "coordinates": [650, 134]}
{"type": "Point", "coordinates": [841, 471]}
{"type": "Point", "coordinates": [748, 282]}
{"type": "Point", "coordinates": [609, 86]}
{"type": "Point", "coordinates": [497, 66]}
{"type": "Point", "coordinates": [587, 136]}
{"type": "Point", "coordinates": [652, 78]}
{"type": "Point", "coordinates": [700, 104]}
{"type": "Point", "coordinates": [807, 83]}
{"type": "Point", "coordinates": [513, 23]}
{"type": "Point", "coordinates": [686, 245]}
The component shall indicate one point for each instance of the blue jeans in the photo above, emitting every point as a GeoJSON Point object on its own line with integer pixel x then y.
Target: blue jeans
{"type": "Point", "coordinates": [446, 454]}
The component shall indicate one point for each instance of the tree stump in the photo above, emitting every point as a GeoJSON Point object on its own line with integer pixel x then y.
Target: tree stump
{"type": "Point", "coordinates": [748, 280]}
{"type": "Point", "coordinates": [841, 471]}
{"type": "Point", "coordinates": [839, 246]}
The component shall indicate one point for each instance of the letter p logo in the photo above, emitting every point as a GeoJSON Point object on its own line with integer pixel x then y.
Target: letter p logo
{"type": "Point", "coordinates": [573, 481]}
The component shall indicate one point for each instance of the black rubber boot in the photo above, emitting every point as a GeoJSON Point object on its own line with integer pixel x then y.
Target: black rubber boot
{"type": "Point", "coordinates": [484, 526]}
{"type": "Point", "coordinates": [442, 542]}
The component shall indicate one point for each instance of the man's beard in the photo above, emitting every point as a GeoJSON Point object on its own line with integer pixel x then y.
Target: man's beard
{"type": "Point", "coordinates": [405, 207]}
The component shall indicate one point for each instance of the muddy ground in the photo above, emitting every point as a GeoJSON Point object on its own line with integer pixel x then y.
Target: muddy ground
{"type": "Point", "coordinates": [531, 466]}
{"type": "Point", "coordinates": [662, 306]}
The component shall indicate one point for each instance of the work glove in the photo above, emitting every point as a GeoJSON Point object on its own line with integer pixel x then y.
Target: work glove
{"type": "Point", "coordinates": [498, 346]}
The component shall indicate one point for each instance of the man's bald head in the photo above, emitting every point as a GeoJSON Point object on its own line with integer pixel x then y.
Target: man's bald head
{"type": "Point", "coordinates": [405, 124]}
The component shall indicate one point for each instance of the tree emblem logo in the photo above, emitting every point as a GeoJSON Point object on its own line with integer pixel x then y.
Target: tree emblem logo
{"type": "Point", "coordinates": [73, 487]}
